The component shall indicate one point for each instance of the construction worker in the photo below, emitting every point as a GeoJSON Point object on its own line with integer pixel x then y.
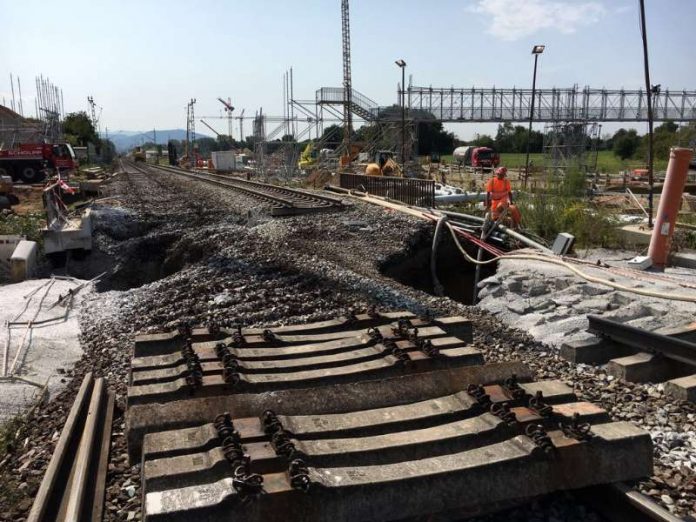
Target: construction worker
{"type": "Point", "coordinates": [499, 197]}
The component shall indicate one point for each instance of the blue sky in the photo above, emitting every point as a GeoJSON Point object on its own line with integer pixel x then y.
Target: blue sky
{"type": "Point", "coordinates": [143, 60]}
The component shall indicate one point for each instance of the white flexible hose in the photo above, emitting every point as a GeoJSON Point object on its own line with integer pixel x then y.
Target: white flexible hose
{"type": "Point", "coordinates": [553, 261]}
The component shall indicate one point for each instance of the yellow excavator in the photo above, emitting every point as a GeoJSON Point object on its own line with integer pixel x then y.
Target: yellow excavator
{"type": "Point", "coordinates": [308, 157]}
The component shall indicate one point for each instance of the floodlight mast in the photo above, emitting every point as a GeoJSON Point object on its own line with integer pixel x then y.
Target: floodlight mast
{"type": "Point", "coordinates": [536, 51]}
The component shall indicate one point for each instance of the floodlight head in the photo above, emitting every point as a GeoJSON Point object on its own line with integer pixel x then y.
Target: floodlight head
{"type": "Point", "coordinates": [538, 49]}
{"type": "Point", "coordinates": [400, 63]}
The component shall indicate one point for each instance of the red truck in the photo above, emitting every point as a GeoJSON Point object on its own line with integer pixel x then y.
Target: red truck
{"type": "Point", "coordinates": [477, 157]}
{"type": "Point", "coordinates": [30, 162]}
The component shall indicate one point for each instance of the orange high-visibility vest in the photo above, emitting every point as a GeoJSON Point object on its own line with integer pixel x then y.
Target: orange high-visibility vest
{"type": "Point", "coordinates": [499, 190]}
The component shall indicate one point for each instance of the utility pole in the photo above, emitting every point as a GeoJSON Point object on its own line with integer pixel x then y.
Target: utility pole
{"type": "Point", "coordinates": [93, 113]}
{"type": "Point", "coordinates": [347, 81]}
{"type": "Point", "coordinates": [19, 88]}
{"type": "Point", "coordinates": [241, 126]}
{"type": "Point", "coordinates": [190, 131]}
{"type": "Point", "coordinates": [648, 92]}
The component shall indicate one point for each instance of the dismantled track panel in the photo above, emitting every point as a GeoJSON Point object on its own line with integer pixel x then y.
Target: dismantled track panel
{"type": "Point", "coordinates": [368, 417]}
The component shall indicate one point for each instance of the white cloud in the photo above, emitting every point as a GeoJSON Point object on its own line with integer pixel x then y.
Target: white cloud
{"type": "Point", "coordinates": [514, 19]}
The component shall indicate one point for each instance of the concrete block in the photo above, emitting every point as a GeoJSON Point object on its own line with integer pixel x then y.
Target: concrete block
{"type": "Point", "coordinates": [23, 261]}
{"type": "Point", "coordinates": [644, 367]}
{"type": "Point", "coordinates": [563, 243]}
{"type": "Point", "coordinates": [592, 289]}
{"type": "Point", "coordinates": [597, 351]}
{"type": "Point", "coordinates": [683, 388]}
{"type": "Point", "coordinates": [538, 289]}
{"type": "Point", "coordinates": [561, 283]}
{"type": "Point", "coordinates": [76, 234]}
{"type": "Point", "coordinates": [635, 235]}
{"type": "Point", "coordinates": [685, 332]}
{"type": "Point", "coordinates": [8, 243]}
{"type": "Point", "coordinates": [493, 280]}
{"type": "Point", "coordinates": [628, 312]}
{"type": "Point", "coordinates": [92, 186]}
{"type": "Point", "coordinates": [519, 306]}
{"type": "Point", "coordinates": [566, 299]}
{"type": "Point", "coordinates": [544, 304]}
{"type": "Point", "coordinates": [684, 259]}
{"type": "Point", "coordinates": [593, 305]}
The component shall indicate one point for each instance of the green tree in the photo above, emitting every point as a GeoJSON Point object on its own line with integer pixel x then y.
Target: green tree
{"type": "Point", "coordinates": [108, 151]}
{"type": "Point", "coordinates": [665, 136]}
{"type": "Point", "coordinates": [625, 143]}
{"type": "Point", "coordinates": [483, 140]}
{"type": "Point", "coordinates": [206, 145]}
{"type": "Point", "coordinates": [78, 130]}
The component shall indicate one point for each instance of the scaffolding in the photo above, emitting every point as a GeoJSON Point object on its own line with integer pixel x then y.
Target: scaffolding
{"type": "Point", "coordinates": [571, 145]}
{"type": "Point", "coordinates": [47, 126]}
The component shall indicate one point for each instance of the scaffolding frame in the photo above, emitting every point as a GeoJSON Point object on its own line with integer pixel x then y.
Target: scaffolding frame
{"type": "Point", "coordinates": [571, 144]}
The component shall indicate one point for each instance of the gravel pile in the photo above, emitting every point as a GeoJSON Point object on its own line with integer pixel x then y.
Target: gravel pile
{"type": "Point", "coordinates": [222, 260]}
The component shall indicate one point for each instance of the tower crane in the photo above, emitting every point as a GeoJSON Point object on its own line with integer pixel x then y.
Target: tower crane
{"type": "Point", "coordinates": [228, 110]}
{"type": "Point", "coordinates": [241, 125]}
{"type": "Point", "coordinates": [216, 132]}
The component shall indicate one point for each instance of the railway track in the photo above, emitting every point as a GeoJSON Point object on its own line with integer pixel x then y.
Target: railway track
{"type": "Point", "coordinates": [367, 417]}
{"type": "Point", "coordinates": [73, 487]}
{"type": "Point", "coordinates": [284, 201]}
{"type": "Point", "coordinates": [637, 355]}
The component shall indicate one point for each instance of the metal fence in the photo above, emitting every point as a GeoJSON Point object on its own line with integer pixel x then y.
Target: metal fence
{"type": "Point", "coordinates": [418, 192]}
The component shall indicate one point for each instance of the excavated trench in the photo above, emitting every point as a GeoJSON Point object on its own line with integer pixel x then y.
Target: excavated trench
{"type": "Point", "coordinates": [412, 267]}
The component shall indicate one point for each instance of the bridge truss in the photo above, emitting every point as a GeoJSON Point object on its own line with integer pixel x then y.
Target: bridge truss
{"type": "Point", "coordinates": [451, 105]}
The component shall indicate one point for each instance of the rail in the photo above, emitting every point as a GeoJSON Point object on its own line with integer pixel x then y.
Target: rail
{"type": "Point", "coordinates": [621, 503]}
{"type": "Point", "coordinates": [74, 484]}
{"type": "Point", "coordinates": [644, 340]}
{"type": "Point", "coordinates": [417, 192]}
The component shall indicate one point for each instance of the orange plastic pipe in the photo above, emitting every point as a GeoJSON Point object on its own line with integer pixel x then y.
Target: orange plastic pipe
{"type": "Point", "coordinates": [670, 201]}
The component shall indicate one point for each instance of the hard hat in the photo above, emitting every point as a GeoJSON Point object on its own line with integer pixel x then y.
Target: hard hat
{"type": "Point", "coordinates": [501, 170]}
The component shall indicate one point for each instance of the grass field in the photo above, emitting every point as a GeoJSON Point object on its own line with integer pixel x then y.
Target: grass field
{"type": "Point", "coordinates": [607, 161]}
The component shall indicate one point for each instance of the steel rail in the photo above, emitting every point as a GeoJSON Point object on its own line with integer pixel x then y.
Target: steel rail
{"type": "Point", "coordinates": [644, 340]}
{"type": "Point", "coordinates": [44, 506]}
{"type": "Point", "coordinates": [75, 481]}
{"type": "Point", "coordinates": [282, 196]}
{"type": "Point", "coordinates": [619, 502]}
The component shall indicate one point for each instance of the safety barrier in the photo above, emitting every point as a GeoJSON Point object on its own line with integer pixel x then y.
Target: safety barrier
{"type": "Point", "coordinates": [418, 192]}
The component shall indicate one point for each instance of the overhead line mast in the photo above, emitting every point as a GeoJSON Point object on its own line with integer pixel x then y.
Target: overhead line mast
{"type": "Point", "coordinates": [347, 81]}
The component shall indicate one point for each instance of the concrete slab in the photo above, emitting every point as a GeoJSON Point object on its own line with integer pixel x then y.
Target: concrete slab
{"type": "Point", "coordinates": [683, 388]}
{"type": "Point", "coordinates": [50, 347]}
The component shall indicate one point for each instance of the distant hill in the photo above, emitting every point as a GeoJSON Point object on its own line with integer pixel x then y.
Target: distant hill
{"type": "Point", "coordinates": [125, 140]}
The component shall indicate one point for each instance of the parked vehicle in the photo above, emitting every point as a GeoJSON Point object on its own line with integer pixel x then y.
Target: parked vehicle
{"type": "Point", "coordinates": [30, 162]}
{"type": "Point", "coordinates": [476, 157]}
